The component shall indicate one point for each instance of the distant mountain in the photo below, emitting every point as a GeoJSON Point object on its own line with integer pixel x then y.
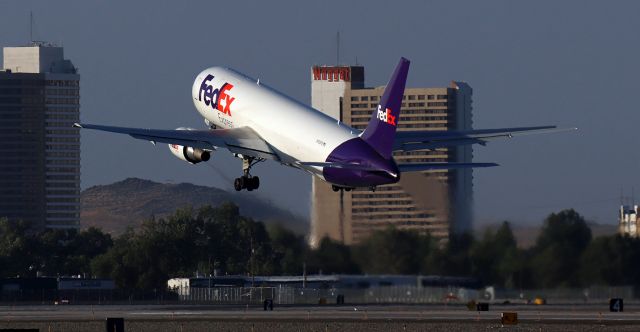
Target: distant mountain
{"type": "Point", "coordinates": [116, 206]}
{"type": "Point", "coordinates": [526, 234]}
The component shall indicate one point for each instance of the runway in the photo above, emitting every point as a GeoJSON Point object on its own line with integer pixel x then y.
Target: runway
{"type": "Point", "coordinates": [315, 318]}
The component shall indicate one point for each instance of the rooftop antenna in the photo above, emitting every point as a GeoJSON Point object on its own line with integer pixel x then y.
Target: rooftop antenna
{"type": "Point", "coordinates": [31, 26]}
{"type": "Point", "coordinates": [338, 48]}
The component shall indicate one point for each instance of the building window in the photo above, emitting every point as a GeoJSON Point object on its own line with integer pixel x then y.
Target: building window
{"type": "Point", "coordinates": [361, 113]}
{"type": "Point", "coordinates": [421, 97]}
{"type": "Point", "coordinates": [354, 98]}
{"type": "Point", "coordinates": [437, 104]}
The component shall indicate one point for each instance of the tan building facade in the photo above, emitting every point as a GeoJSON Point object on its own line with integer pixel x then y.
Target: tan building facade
{"type": "Point", "coordinates": [437, 203]}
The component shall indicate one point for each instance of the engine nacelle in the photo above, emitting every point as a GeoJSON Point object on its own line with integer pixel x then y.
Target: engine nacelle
{"type": "Point", "coordinates": [189, 154]}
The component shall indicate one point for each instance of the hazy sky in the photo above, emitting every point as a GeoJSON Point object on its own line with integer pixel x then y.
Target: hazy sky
{"type": "Point", "coordinates": [568, 63]}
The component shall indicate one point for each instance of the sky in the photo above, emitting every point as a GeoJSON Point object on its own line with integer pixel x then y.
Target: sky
{"type": "Point", "coordinates": [564, 63]}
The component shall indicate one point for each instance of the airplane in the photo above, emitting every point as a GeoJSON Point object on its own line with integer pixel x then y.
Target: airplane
{"type": "Point", "coordinates": [256, 123]}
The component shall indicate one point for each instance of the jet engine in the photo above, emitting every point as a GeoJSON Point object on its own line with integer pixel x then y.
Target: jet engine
{"type": "Point", "coordinates": [189, 154]}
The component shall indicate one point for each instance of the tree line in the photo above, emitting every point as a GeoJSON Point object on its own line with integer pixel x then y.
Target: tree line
{"type": "Point", "coordinates": [221, 239]}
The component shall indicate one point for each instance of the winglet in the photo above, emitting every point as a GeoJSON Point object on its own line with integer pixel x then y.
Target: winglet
{"type": "Point", "coordinates": [77, 125]}
{"type": "Point", "coordinates": [381, 130]}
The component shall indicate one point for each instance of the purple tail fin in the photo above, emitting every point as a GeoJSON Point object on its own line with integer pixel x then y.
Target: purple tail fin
{"type": "Point", "coordinates": [381, 130]}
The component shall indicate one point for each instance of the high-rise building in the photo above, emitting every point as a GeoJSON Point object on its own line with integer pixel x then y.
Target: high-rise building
{"type": "Point", "coordinates": [40, 150]}
{"type": "Point", "coordinates": [629, 222]}
{"type": "Point", "coordinates": [351, 216]}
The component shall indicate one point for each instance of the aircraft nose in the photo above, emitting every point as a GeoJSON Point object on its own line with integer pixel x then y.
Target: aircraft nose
{"type": "Point", "coordinates": [196, 86]}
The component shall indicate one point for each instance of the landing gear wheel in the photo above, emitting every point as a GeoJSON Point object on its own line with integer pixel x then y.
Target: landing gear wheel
{"type": "Point", "coordinates": [335, 188]}
{"type": "Point", "coordinates": [246, 182]}
{"type": "Point", "coordinates": [238, 184]}
{"type": "Point", "coordinates": [249, 183]}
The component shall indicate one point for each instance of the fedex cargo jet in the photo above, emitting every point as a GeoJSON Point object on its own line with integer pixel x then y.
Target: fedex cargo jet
{"type": "Point", "coordinates": [257, 123]}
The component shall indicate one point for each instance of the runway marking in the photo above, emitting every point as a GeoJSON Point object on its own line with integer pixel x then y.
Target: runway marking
{"type": "Point", "coordinates": [169, 313]}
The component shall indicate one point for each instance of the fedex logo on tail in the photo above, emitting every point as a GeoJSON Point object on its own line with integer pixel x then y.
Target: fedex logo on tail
{"type": "Point", "coordinates": [386, 116]}
{"type": "Point", "coordinates": [218, 99]}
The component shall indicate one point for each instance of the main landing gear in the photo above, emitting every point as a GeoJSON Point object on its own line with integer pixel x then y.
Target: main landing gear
{"type": "Point", "coordinates": [336, 188]}
{"type": "Point", "coordinates": [247, 181]}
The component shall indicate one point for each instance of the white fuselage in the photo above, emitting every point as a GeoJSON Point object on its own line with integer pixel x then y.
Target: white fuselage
{"type": "Point", "coordinates": [295, 131]}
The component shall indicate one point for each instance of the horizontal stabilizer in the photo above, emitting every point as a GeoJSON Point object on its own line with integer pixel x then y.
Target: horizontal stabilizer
{"type": "Point", "coordinates": [355, 167]}
{"type": "Point", "coordinates": [439, 166]}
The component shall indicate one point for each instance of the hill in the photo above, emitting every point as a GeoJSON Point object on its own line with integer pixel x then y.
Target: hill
{"type": "Point", "coordinates": [116, 206]}
{"type": "Point", "coordinates": [527, 234]}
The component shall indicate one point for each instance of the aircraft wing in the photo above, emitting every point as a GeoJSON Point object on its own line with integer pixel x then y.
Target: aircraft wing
{"type": "Point", "coordinates": [241, 140]}
{"type": "Point", "coordinates": [421, 140]}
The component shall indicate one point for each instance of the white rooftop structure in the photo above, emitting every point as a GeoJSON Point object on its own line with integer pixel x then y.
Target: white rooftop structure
{"type": "Point", "coordinates": [36, 58]}
{"type": "Point", "coordinates": [629, 220]}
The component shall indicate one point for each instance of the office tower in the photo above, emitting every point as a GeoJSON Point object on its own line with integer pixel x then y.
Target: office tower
{"type": "Point", "coordinates": [40, 154]}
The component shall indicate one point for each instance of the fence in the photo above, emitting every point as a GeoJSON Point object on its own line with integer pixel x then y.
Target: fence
{"type": "Point", "coordinates": [289, 295]}
{"type": "Point", "coordinates": [85, 296]}
{"type": "Point", "coordinates": [593, 293]}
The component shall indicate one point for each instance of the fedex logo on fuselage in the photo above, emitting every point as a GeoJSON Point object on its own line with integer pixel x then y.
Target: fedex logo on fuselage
{"type": "Point", "coordinates": [218, 99]}
{"type": "Point", "coordinates": [386, 116]}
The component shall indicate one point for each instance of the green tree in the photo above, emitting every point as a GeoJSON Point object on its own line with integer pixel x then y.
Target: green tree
{"type": "Point", "coordinates": [289, 250]}
{"type": "Point", "coordinates": [608, 261]}
{"type": "Point", "coordinates": [118, 263]}
{"type": "Point", "coordinates": [16, 250]}
{"type": "Point", "coordinates": [390, 251]}
{"type": "Point", "coordinates": [51, 252]}
{"type": "Point", "coordinates": [187, 242]}
{"type": "Point", "coordinates": [331, 257]}
{"type": "Point", "coordinates": [452, 258]}
{"type": "Point", "coordinates": [55, 253]}
{"type": "Point", "coordinates": [556, 254]}
{"type": "Point", "coordinates": [234, 243]}
{"type": "Point", "coordinates": [495, 258]}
